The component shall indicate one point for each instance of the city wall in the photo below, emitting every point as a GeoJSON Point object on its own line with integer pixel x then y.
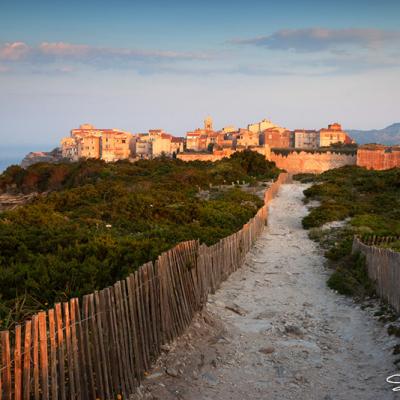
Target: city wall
{"type": "Point", "coordinates": [311, 162]}
{"type": "Point", "coordinates": [199, 156]}
{"type": "Point", "coordinates": [378, 158]}
{"type": "Point", "coordinates": [293, 161]}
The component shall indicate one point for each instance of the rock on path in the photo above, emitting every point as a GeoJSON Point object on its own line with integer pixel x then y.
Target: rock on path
{"type": "Point", "coordinates": [275, 331]}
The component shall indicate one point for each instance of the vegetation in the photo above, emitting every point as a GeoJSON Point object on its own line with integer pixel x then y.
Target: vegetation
{"type": "Point", "coordinates": [97, 222]}
{"type": "Point", "coordinates": [338, 148]}
{"type": "Point", "coordinates": [370, 200]}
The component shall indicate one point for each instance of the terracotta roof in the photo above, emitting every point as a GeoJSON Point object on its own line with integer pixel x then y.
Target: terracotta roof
{"type": "Point", "coordinates": [175, 139]}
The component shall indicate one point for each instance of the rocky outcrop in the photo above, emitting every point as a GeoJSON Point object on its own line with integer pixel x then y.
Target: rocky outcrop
{"type": "Point", "coordinates": [10, 201]}
{"type": "Point", "coordinates": [34, 157]}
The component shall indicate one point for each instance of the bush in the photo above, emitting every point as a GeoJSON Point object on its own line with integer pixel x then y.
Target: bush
{"type": "Point", "coordinates": [101, 221]}
{"type": "Point", "coordinates": [351, 277]}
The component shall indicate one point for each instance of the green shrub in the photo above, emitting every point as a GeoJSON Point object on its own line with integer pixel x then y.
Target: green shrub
{"type": "Point", "coordinates": [101, 221]}
{"type": "Point", "coordinates": [351, 277]}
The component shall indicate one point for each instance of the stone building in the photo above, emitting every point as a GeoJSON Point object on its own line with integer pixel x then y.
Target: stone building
{"type": "Point", "coordinates": [88, 146]}
{"type": "Point", "coordinates": [261, 126]}
{"type": "Point", "coordinates": [161, 144]}
{"type": "Point", "coordinates": [115, 145]}
{"type": "Point", "coordinates": [69, 149]}
{"type": "Point", "coordinates": [192, 141]}
{"type": "Point", "coordinates": [306, 139]}
{"type": "Point", "coordinates": [278, 138]}
{"type": "Point", "coordinates": [156, 143]}
{"type": "Point", "coordinates": [177, 145]}
{"type": "Point", "coordinates": [229, 129]}
{"type": "Point", "coordinates": [199, 140]}
{"type": "Point", "coordinates": [90, 142]}
{"type": "Point", "coordinates": [208, 124]}
{"type": "Point", "coordinates": [246, 138]}
{"type": "Point", "coordinates": [142, 148]}
{"type": "Point", "coordinates": [211, 140]}
{"type": "Point", "coordinates": [334, 134]}
{"type": "Point", "coordinates": [226, 141]}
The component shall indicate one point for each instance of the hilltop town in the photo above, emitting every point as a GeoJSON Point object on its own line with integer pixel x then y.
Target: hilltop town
{"type": "Point", "coordinates": [298, 150]}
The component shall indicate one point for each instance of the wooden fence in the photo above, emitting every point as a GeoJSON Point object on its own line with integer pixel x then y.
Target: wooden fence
{"type": "Point", "coordinates": [373, 240]}
{"type": "Point", "coordinates": [383, 267]}
{"type": "Point", "coordinates": [100, 348]}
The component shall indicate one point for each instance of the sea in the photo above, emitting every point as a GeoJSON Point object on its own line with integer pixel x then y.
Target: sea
{"type": "Point", "coordinates": [13, 154]}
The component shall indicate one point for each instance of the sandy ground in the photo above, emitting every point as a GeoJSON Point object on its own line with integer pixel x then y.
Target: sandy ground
{"type": "Point", "coordinates": [275, 331]}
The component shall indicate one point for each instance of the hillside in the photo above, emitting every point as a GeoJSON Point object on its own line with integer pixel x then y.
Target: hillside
{"type": "Point", "coordinates": [98, 222]}
{"type": "Point", "coordinates": [389, 135]}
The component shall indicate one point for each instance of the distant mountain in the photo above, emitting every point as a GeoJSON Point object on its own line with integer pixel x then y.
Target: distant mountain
{"type": "Point", "coordinates": [389, 135]}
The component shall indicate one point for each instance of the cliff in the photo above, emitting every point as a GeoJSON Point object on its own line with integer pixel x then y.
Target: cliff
{"type": "Point", "coordinates": [34, 157]}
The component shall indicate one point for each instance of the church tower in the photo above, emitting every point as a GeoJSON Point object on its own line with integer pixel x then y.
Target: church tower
{"type": "Point", "coordinates": [208, 124]}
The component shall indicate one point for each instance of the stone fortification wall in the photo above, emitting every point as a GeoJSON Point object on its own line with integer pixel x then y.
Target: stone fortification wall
{"type": "Point", "coordinates": [311, 162]}
{"type": "Point", "coordinates": [378, 158]}
{"type": "Point", "coordinates": [199, 156]}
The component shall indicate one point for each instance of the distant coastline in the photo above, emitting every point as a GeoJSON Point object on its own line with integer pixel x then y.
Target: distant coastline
{"type": "Point", "coordinates": [13, 154]}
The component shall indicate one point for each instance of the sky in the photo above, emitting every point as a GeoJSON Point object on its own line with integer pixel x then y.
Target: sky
{"type": "Point", "coordinates": [139, 65]}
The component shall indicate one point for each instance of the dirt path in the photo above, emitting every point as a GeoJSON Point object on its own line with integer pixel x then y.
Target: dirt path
{"type": "Point", "coordinates": [275, 331]}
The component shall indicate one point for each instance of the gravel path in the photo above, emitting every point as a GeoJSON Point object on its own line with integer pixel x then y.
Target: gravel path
{"type": "Point", "coordinates": [275, 331]}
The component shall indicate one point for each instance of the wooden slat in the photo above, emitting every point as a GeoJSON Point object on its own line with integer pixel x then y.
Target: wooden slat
{"type": "Point", "coordinates": [75, 350]}
{"type": "Point", "coordinates": [27, 361]}
{"type": "Point", "coordinates": [17, 364]}
{"type": "Point", "coordinates": [143, 282]}
{"type": "Point", "coordinates": [81, 351]}
{"type": "Point", "coordinates": [97, 360]}
{"type": "Point", "coordinates": [60, 351]}
{"type": "Point", "coordinates": [6, 364]}
{"type": "Point", "coordinates": [141, 323]}
{"type": "Point", "coordinates": [68, 341]}
{"type": "Point", "coordinates": [123, 337]}
{"type": "Point", "coordinates": [153, 310]}
{"type": "Point", "coordinates": [44, 363]}
{"type": "Point", "coordinates": [53, 356]}
{"type": "Point", "coordinates": [134, 327]}
{"type": "Point", "coordinates": [117, 345]}
{"type": "Point", "coordinates": [111, 349]}
{"type": "Point", "coordinates": [123, 300]}
{"type": "Point", "coordinates": [35, 339]}
{"type": "Point", "coordinates": [87, 348]}
{"type": "Point", "coordinates": [104, 344]}
{"type": "Point", "coordinates": [129, 332]}
{"type": "Point", "coordinates": [157, 304]}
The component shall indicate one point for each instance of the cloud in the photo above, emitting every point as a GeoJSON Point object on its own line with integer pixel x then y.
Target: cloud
{"type": "Point", "coordinates": [322, 39]}
{"type": "Point", "coordinates": [62, 49]}
{"type": "Point", "coordinates": [14, 51]}
{"type": "Point", "coordinates": [53, 52]}
{"type": "Point", "coordinates": [4, 69]}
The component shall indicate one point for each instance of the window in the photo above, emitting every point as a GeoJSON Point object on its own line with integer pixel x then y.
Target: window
{"type": "Point", "coordinates": [123, 141]}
